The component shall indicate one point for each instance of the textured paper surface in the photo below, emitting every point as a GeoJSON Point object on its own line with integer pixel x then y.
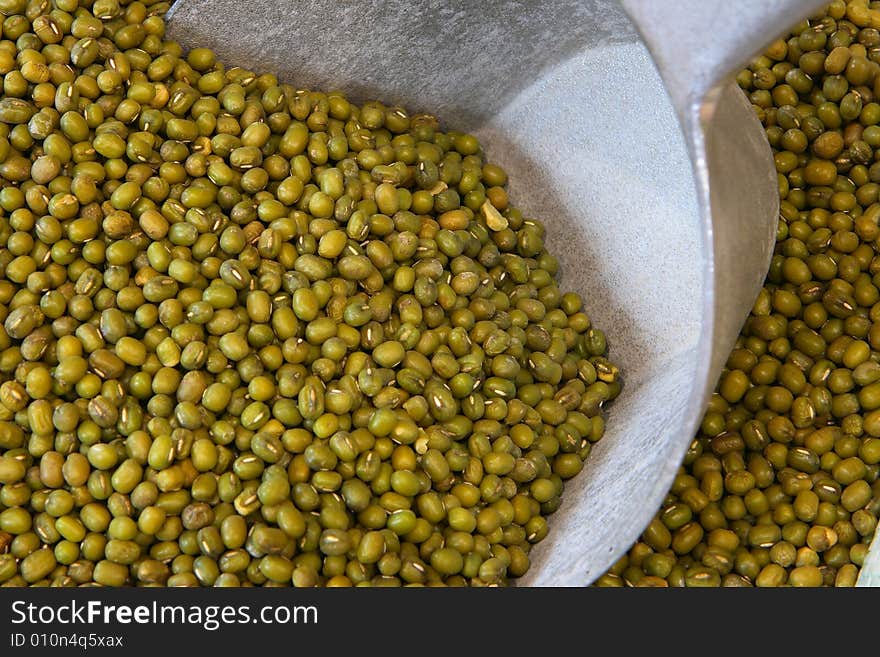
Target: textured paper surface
{"type": "Point", "coordinates": [566, 98]}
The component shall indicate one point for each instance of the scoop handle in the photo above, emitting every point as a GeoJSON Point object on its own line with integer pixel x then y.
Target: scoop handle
{"type": "Point", "coordinates": [697, 43]}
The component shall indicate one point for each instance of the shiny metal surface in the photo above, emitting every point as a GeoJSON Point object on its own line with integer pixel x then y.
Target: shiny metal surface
{"type": "Point", "coordinates": [657, 189]}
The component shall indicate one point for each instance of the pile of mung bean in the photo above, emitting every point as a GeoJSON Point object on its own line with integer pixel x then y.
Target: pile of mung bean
{"type": "Point", "coordinates": [780, 486]}
{"type": "Point", "coordinates": [257, 335]}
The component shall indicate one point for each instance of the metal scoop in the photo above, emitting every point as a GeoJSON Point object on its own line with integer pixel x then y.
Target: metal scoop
{"type": "Point", "coordinates": [652, 175]}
